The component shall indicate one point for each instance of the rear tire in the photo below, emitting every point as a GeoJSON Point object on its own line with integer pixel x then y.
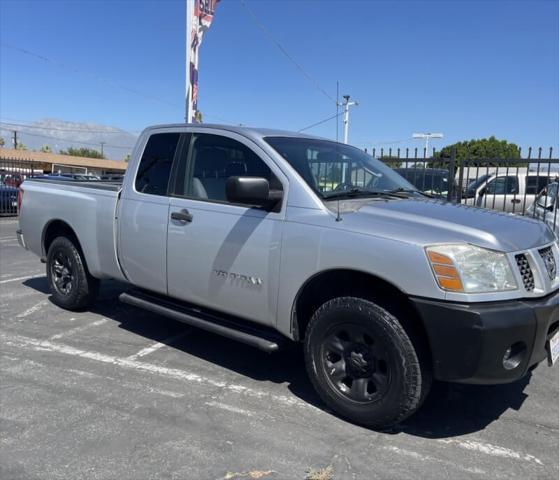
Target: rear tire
{"type": "Point", "coordinates": [362, 363]}
{"type": "Point", "coordinates": [71, 285]}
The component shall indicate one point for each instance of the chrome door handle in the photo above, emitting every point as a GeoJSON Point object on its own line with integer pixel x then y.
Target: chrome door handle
{"type": "Point", "coordinates": [184, 216]}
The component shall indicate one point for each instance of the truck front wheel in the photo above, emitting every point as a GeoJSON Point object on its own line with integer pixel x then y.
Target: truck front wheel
{"type": "Point", "coordinates": [363, 364]}
{"type": "Point", "coordinates": [71, 285]}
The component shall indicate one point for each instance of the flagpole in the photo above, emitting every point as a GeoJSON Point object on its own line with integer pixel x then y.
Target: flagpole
{"type": "Point", "coordinates": [187, 92]}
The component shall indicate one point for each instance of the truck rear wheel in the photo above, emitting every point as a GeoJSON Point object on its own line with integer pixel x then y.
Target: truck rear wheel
{"type": "Point", "coordinates": [71, 285]}
{"type": "Point", "coordinates": [363, 364]}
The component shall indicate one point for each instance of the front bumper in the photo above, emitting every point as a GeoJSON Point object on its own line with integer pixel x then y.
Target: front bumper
{"type": "Point", "coordinates": [468, 341]}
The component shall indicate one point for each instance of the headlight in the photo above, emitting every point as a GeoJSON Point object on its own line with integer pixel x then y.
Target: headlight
{"type": "Point", "coordinates": [470, 269]}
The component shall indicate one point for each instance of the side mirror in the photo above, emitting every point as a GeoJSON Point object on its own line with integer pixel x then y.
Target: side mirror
{"type": "Point", "coordinates": [253, 191]}
{"type": "Point", "coordinates": [483, 191]}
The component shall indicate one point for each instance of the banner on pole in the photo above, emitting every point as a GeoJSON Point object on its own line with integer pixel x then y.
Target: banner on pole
{"type": "Point", "coordinates": [199, 21]}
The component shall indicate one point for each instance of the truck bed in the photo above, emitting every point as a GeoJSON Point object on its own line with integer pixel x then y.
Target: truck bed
{"type": "Point", "coordinates": [88, 207]}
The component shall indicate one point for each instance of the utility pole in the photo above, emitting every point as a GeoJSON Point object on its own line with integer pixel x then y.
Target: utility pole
{"type": "Point", "coordinates": [346, 106]}
{"type": "Point", "coordinates": [15, 139]}
{"type": "Point", "coordinates": [102, 144]}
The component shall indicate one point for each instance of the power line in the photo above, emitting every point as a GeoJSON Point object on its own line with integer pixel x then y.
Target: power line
{"type": "Point", "coordinates": [82, 130]}
{"type": "Point", "coordinates": [320, 123]}
{"type": "Point", "coordinates": [282, 49]}
{"type": "Point", "coordinates": [74, 141]}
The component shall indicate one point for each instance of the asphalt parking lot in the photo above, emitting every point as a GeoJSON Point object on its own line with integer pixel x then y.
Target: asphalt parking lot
{"type": "Point", "coordinates": [118, 393]}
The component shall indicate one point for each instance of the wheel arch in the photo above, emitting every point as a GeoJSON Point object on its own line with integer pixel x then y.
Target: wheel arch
{"type": "Point", "coordinates": [332, 283]}
{"type": "Point", "coordinates": [59, 228]}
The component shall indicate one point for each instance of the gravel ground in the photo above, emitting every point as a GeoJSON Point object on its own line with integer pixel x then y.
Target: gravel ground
{"type": "Point", "coordinates": [118, 393]}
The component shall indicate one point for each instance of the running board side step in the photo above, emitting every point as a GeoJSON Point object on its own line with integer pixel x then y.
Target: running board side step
{"type": "Point", "coordinates": [263, 339]}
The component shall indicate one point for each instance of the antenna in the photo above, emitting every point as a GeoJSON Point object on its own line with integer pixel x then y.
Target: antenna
{"type": "Point", "coordinates": [337, 109]}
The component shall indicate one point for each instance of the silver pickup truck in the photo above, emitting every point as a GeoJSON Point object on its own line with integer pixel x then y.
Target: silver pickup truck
{"type": "Point", "coordinates": [271, 237]}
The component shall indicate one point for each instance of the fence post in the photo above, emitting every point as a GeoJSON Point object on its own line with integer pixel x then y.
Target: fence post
{"type": "Point", "coordinates": [460, 180]}
{"type": "Point", "coordinates": [451, 175]}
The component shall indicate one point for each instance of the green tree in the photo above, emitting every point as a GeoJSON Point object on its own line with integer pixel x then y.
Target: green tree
{"type": "Point", "coordinates": [2, 142]}
{"type": "Point", "coordinates": [21, 146]}
{"type": "Point", "coordinates": [46, 149]}
{"type": "Point", "coordinates": [483, 149]}
{"type": "Point", "coordinates": [126, 158]}
{"type": "Point", "coordinates": [82, 152]}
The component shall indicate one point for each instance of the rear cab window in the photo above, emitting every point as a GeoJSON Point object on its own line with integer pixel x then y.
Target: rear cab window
{"type": "Point", "coordinates": [154, 171]}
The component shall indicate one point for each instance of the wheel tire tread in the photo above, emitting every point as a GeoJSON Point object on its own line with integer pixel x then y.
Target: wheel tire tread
{"type": "Point", "coordinates": [87, 285]}
{"type": "Point", "coordinates": [417, 386]}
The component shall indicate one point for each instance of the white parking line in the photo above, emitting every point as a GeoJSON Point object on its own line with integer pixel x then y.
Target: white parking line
{"type": "Point", "coordinates": [492, 450]}
{"type": "Point", "coordinates": [178, 374]}
{"type": "Point", "coordinates": [156, 346]}
{"type": "Point", "coordinates": [32, 309]}
{"type": "Point", "coordinates": [425, 458]}
{"type": "Point", "coordinates": [185, 376]}
{"type": "Point", "coordinates": [28, 277]}
{"type": "Point", "coordinates": [229, 408]}
{"type": "Point", "coordinates": [67, 333]}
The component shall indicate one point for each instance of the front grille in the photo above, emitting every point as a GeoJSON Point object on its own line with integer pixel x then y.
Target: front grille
{"type": "Point", "coordinates": [525, 272]}
{"type": "Point", "coordinates": [549, 262]}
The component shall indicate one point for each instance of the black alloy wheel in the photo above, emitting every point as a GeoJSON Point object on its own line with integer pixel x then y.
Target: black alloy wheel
{"type": "Point", "coordinates": [71, 284]}
{"type": "Point", "coordinates": [355, 364]}
{"type": "Point", "coordinates": [62, 272]}
{"type": "Point", "coordinates": [363, 364]}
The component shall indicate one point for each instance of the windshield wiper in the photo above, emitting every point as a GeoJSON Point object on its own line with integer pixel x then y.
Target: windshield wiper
{"type": "Point", "coordinates": [359, 192]}
{"type": "Point", "coordinates": [408, 191]}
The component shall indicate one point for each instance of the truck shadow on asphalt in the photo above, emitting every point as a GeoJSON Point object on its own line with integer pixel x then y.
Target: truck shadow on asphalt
{"type": "Point", "coordinates": [450, 409]}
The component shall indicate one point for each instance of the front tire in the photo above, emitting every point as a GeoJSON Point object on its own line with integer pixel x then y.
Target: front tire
{"type": "Point", "coordinates": [71, 285]}
{"type": "Point", "coordinates": [362, 363]}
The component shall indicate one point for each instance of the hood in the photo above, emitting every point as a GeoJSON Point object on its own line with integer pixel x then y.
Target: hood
{"type": "Point", "coordinates": [426, 222]}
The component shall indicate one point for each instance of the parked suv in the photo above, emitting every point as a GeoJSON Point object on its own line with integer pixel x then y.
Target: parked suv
{"type": "Point", "coordinates": [271, 237]}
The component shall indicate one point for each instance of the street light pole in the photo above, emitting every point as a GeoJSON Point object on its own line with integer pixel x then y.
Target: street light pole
{"type": "Point", "coordinates": [346, 106]}
{"type": "Point", "coordinates": [427, 137]}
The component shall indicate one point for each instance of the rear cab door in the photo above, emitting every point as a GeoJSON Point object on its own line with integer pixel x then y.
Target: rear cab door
{"type": "Point", "coordinates": [143, 211]}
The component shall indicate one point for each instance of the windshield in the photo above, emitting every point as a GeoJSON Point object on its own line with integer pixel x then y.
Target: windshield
{"type": "Point", "coordinates": [331, 168]}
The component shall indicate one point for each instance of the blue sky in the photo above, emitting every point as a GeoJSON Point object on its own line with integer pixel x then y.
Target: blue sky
{"type": "Point", "coordinates": [468, 69]}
